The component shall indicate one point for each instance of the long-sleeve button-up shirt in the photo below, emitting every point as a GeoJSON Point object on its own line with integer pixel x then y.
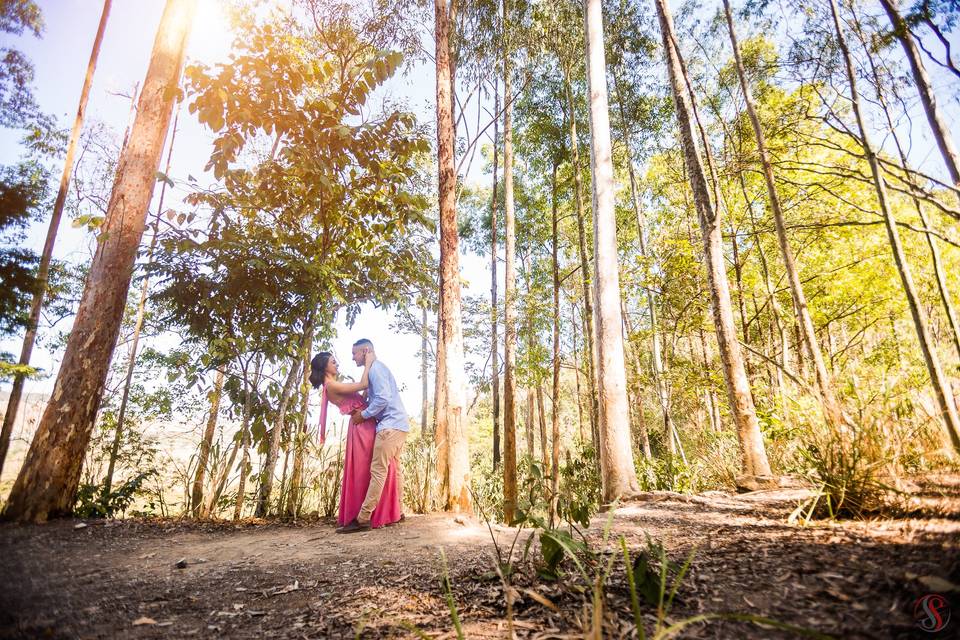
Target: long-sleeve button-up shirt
{"type": "Point", "coordinates": [385, 404]}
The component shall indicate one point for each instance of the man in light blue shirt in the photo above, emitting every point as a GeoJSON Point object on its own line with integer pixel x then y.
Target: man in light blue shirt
{"type": "Point", "coordinates": [385, 406]}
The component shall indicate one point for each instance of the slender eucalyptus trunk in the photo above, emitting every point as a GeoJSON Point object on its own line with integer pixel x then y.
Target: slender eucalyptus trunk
{"type": "Point", "coordinates": [453, 454]}
{"type": "Point", "coordinates": [43, 272]}
{"type": "Point", "coordinates": [494, 338]}
{"type": "Point", "coordinates": [940, 384]}
{"type": "Point", "coordinates": [619, 477]}
{"type": "Point", "coordinates": [249, 389]}
{"type": "Point", "coordinates": [585, 269]}
{"type": "Point", "coordinates": [203, 456]}
{"type": "Point", "coordinates": [273, 445]}
{"type": "Point", "coordinates": [509, 287]}
{"type": "Point", "coordinates": [555, 395]}
{"type": "Point", "coordinates": [938, 269]}
{"type": "Point", "coordinates": [928, 98]}
{"type": "Point", "coordinates": [659, 376]}
{"type": "Point", "coordinates": [753, 455]}
{"type": "Point", "coordinates": [424, 381]}
{"type": "Point", "coordinates": [47, 483]}
{"type": "Point", "coordinates": [831, 406]}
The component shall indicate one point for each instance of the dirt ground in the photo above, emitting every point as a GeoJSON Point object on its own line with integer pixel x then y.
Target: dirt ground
{"type": "Point", "coordinates": [172, 579]}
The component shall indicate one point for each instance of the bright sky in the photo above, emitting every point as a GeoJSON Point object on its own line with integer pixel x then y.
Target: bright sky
{"type": "Point", "coordinates": [60, 58]}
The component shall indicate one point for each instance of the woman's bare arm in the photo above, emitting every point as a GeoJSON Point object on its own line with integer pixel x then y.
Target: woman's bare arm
{"type": "Point", "coordinates": [344, 388]}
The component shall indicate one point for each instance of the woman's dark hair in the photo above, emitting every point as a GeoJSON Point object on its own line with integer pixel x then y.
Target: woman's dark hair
{"type": "Point", "coordinates": [318, 368]}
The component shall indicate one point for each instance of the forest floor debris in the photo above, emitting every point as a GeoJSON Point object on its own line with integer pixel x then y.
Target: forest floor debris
{"type": "Point", "coordinates": [120, 579]}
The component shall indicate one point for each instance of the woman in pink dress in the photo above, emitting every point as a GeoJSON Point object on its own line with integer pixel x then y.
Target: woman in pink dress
{"type": "Point", "coordinates": [324, 372]}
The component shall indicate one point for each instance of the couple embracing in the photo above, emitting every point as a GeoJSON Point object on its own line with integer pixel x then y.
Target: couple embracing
{"type": "Point", "coordinates": [371, 494]}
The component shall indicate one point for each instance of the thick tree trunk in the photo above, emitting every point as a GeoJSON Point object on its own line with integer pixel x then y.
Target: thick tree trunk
{"type": "Point", "coordinates": [47, 483]}
{"type": "Point", "coordinates": [273, 447]}
{"type": "Point", "coordinates": [138, 323]}
{"type": "Point", "coordinates": [43, 272]}
{"type": "Point", "coordinates": [494, 338]}
{"type": "Point", "coordinates": [618, 474]}
{"type": "Point", "coordinates": [203, 457]}
{"type": "Point", "coordinates": [753, 455]}
{"type": "Point", "coordinates": [509, 291]}
{"type": "Point", "coordinates": [585, 271]}
{"type": "Point", "coordinates": [941, 131]}
{"type": "Point", "coordinates": [831, 406]}
{"type": "Point", "coordinates": [453, 464]}
{"type": "Point", "coordinates": [940, 384]}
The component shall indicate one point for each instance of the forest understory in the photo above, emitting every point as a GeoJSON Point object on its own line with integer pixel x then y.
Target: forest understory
{"type": "Point", "coordinates": [255, 579]}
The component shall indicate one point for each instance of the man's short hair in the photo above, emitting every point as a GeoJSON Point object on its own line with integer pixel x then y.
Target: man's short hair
{"type": "Point", "coordinates": [363, 342]}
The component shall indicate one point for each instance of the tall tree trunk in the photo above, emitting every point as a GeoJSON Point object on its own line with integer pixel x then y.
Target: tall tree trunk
{"type": "Point", "coordinates": [940, 384]}
{"type": "Point", "coordinates": [555, 390]}
{"type": "Point", "coordinates": [636, 405]}
{"type": "Point", "coordinates": [298, 442]}
{"type": "Point", "coordinates": [576, 373]}
{"type": "Point", "coordinates": [831, 406]}
{"type": "Point", "coordinates": [937, 261]}
{"type": "Point", "coordinates": [659, 377]}
{"type": "Point", "coordinates": [273, 450]}
{"type": "Point", "coordinates": [494, 338]}
{"type": "Point", "coordinates": [941, 132]}
{"type": "Point", "coordinates": [541, 410]}
{"type": "Point", "coordinates": [509, 290]}
{"type": "Point", "coordinates": [531, 419]}
{"type": "Point", "coordinates": [585, 271]}
{"type": "Point", "coordinates": [753, 455]}
{"type": "Point", "coordinates": [619, 477]}
{"type": "Point", "coordinates": [424, 381]}
{"type": "Point", "coordinates": [203, 457]}
{"type": "Point", "coordinates": [138, 323]}
{"type": "Point", "coordinates": [246, 436]}
{"type": "Point", "coordinates": [47, 483]}
{"type": "Point", "coordinates": [453, 459]}
{"type": "Point", "coordinates": [43, 272]}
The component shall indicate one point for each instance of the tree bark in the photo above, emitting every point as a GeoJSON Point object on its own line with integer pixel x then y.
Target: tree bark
{"type": "Point", "coordinates": [292, 508]}
{"type": "Point", "coordinates": [941, 132]}
{"type": "Point", "coordinates": [940, 384]}
{"type": "Point", "coordinates": [43, 271]}
{"type": "Point", "coordinates": [555, 391]}
{"type": "Point", "coordinates": [618, 474]}
{"type": "Point", "coordinates": [249, 389]}
{"type": "Point", "coordinates": [752, 452]}
{"type": "Point", "coordinates": [509, 290]}
{"type": "Point", "coordinates": [831, 406]}
{"type": "Point", "coordinates": [138, 323]}
{"type": "Point", "coordinates": [494, 338]}
{"type": "Point", "coordinates": [203, 457]}
{"type": "Point", "coordinates": [273, 450]}
{"type": "Point", "coordinates": [541, 411]}
{"type": "Point", "coordinates": [657, 349]}
{"type": "Point", "coordinates": [424, 382]}
{"type": "Point", "coordinates": [585, 270]}
{"type": "Point", "coordinates": [576, 374]}
{"type": "Point", "coordinates": [937, 261]}
{"type": "Point", "coordinates": [47, 484]}
{"type": "Point", "coordinates": [453, 459]}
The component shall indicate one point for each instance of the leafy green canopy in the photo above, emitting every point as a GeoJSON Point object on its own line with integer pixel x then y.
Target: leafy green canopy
{"type": "Point", "coordinates": [327, 219]}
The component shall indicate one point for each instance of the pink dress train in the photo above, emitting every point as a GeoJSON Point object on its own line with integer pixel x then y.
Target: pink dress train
{"type": "Point", "coordinates": [356, 472]}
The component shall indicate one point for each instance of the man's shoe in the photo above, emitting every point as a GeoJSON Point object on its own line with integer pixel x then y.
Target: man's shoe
{"type": "Point", "coordinates": [354, 527]}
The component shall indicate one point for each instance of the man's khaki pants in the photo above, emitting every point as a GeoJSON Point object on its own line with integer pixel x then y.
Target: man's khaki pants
{"type": "Point", "coordinates": [387, 446]}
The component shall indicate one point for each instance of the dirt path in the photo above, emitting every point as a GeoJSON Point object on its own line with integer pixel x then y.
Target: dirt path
{"type": "Point", "coordinates": [852, 580]}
